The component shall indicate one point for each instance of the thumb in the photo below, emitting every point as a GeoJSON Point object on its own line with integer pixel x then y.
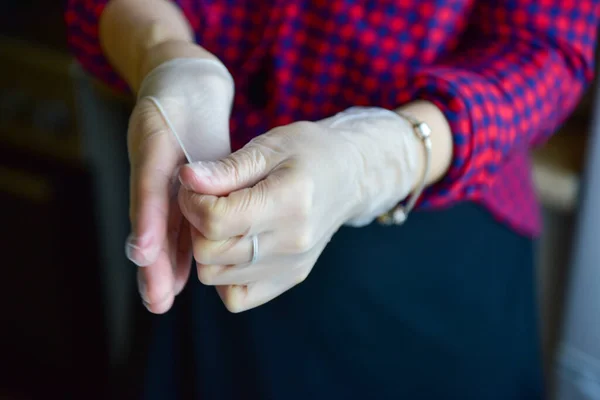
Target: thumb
{"type": "Point", "coordinates": [242, 169]}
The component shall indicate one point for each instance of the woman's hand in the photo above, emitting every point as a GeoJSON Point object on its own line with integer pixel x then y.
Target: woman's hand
{"type": "Point", "coordinates": [293, 188]}
{"type": "Point", "coordinates": [182, 113]}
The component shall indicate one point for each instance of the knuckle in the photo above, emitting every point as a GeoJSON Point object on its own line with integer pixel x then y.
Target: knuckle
{"type": "Point", "coordinates": [202, 205]}
{"type": "Point", "coordinates": [201, 252]}
{"type": "Point", "coordinates": [247, 203]}
{"type": "Point", "coordinates": [209, 217]}
{"type": "Point", "coordinates": [207, 274]}
{"type": "Point", "coordinates": [303, 241]}
{"type": "Point", "coordinates": [207, 251]}
{"type": "Point", "coordinates": [302, 125]}
{"type": "Point", "coordinates": [230, 166]}
{"type": "Point", "coordinates": [205, 278]}
{"type": "Point", "coordinates": [211, 227]}
{"type": "Point", "coordinates": [305, 199]}
{"type": "Point", "coordinates": [274, 142]}
{"type": "Point", "coordinates": [303, 276]}
{"type": "Point", "coordinates": [232, 297]}
{"type": "Point", "coordinates": [145, 125]}
{"type": "Point", "coordinates": [145, 185]}
{"type": "Point", "coordinates": [252, 156]}
{"type": "Point", "coordinates": [301, 195]}
{"type": "Point", "coordinates": [262, 140]}
{"type": "Point", "coordinates": [233, 304]}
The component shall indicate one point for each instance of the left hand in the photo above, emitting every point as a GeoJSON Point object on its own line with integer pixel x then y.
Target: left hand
{"type": "Point", "coordinates": [293, 187]}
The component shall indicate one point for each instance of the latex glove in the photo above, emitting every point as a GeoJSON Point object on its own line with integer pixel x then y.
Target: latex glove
{"type": "Point", "coordinates": [293, 187]}
{"type": "Point", "coordinates": [182, 113]}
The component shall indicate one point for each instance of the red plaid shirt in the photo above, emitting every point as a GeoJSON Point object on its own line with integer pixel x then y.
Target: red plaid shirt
{"type": "Point", "coordinates": [506, 73]}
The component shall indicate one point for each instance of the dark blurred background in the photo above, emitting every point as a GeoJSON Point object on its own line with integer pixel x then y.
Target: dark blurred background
{"type": "Point", "coordinates": [71, 324]}
{"type": "Point", "coordinates": [63, 334]}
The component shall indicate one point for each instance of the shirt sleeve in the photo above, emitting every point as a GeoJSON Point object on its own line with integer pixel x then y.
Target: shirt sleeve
{"type": "Point", "coordinates": [520, 70]}
{"type": "Point", "coordinates": [82, 19]}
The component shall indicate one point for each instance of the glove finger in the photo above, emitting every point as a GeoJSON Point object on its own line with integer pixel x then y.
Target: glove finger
{"type": "Point", "coordinates": [183, 264]}
{"type": "Point", "coordinates": [155, 286]}
{"type": "Point", "coordinates": [158, 280]}
{"type": "Point", "coordinates": [154, 157]}
{"type": "Point", "coordinates": [239, 250]}
{"type": "Point", "coordinates": [218, 275]}
{"type": "Point", "coordinates": [247, 211]}
{"type": "Point", "coordinates": [238, 298]}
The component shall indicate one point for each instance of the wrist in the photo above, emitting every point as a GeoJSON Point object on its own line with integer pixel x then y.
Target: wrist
{"type": "Point", "coordinates": [427, 168]}
{"type": "Point", "coordinates": [129, 30]}
{"type": "Point", "coordinates": [382, 157]}
{"type": "Point", "coordinates": [166, 51]}
{"type": "Point", "coordinates": [441, 140]}
{"type": "Point", "coordinates": [400, 165]}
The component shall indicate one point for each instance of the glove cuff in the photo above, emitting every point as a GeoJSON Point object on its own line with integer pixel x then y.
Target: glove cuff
{"type": "Point", "coordinates": [208, 66]}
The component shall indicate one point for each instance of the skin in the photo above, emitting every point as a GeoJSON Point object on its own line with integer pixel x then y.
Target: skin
{"type": "Point", "coordinates": [139, 35]}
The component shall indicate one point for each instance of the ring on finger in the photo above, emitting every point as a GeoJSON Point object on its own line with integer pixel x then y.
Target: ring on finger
{"type": "Point", "coordinates": [254, 257]}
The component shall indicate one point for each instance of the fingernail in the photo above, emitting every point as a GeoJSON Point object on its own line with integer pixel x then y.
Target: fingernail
{"type": "Point", "coordinates": [177, 169]}
{"type": "Point", "coordinates": [184, 184]}
{"type": "Point", "coordinates": [137, 252]}
{"type": "Point", "coordinates": [143, 290]}
{"type": "Point", "coordinates": [159, 305]}
{"type": "Point", "coordinates": [202, 171]}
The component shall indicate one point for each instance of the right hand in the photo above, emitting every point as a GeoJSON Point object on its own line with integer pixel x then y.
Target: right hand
{"type": "Point", "coordinates": [182, 111]}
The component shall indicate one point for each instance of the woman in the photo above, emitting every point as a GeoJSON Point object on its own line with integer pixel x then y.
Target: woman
{"type": "Point", "coordinates": [441, 306]}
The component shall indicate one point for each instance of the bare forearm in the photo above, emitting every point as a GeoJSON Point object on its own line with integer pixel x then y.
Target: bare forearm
{"type": "Point", "coordinates": [138, 35]}
{"type": "Point", "coordinates": [441, 137]}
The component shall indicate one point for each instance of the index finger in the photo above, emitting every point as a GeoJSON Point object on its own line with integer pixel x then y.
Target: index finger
{"type": "Point", "coordinates": [247, 211]}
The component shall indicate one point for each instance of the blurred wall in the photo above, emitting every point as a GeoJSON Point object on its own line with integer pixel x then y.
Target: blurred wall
{"type": "Point", "coordinates": [578, 359]}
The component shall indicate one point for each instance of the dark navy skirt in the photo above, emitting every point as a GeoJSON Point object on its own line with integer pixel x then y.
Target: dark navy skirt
{"type": "Point", "coordinates": [443, 307]}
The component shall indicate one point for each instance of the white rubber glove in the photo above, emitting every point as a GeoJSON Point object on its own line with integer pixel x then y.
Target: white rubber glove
{"type": "Point", "coordinates": [294, 187]}
{"type": "Point", "coordinates": [182, 113]}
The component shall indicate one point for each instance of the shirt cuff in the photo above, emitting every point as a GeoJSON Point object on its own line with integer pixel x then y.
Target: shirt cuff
{"type": "Point", "coordinates": [451, 91]}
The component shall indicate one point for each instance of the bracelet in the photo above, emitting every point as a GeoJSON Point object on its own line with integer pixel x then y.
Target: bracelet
{"type": "Point", "coordinates": [399, 214]}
